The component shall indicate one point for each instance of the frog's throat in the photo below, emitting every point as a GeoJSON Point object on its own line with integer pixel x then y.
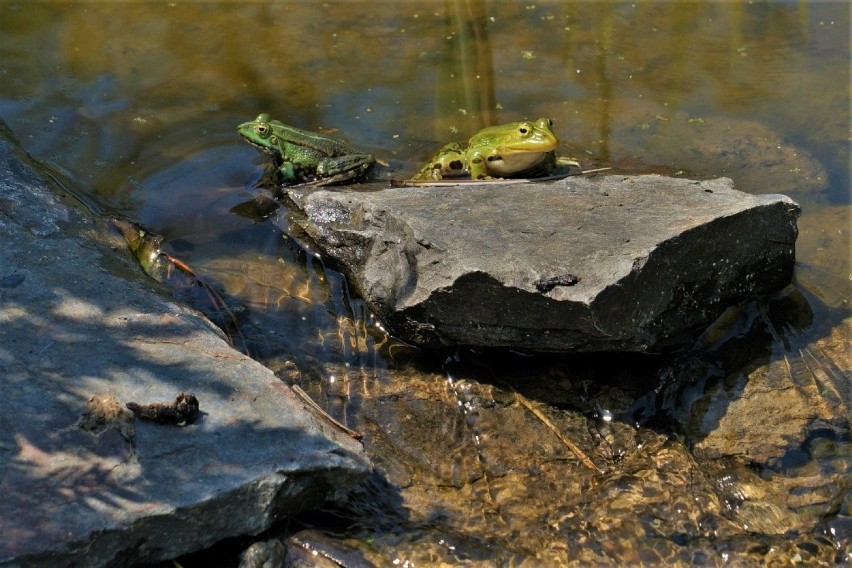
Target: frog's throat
{"type": "Point", "coordinates": [510, 164]}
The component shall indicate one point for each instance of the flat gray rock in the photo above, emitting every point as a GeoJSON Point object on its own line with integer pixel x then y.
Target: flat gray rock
{"type": "Point", "coordinates": [81, 482]}
{"type": "Point", "coordinates": [611, 263]}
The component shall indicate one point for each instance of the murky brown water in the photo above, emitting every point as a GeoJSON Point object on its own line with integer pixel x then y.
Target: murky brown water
{"type": "Point", "coordinates": [737, 451]}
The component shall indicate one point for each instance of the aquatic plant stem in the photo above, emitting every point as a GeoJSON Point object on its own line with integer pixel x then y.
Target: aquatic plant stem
{"type": "Point", "coordinates": [564, 439]}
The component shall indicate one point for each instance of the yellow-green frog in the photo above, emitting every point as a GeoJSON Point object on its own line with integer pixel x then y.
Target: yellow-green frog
{"type": "Point", "coordinates": [516, 149]}
{"type": "Point", "coordinates": [306, 156]}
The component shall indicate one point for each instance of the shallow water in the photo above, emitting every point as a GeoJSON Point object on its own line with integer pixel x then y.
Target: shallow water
{"type": "Point", "coordinates": [138, 104]}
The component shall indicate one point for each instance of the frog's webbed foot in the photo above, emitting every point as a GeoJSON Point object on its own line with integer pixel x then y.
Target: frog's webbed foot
{"type": "Point", "coordinates": [477, 167]}
{"type": "Point", "coordinates": [563, 161]}
{"type": "Point", "coordinates": [429, 174]}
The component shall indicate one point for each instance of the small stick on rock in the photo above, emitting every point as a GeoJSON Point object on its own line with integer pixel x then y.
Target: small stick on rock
{"type": "Point", "coordinates": [183, 411]}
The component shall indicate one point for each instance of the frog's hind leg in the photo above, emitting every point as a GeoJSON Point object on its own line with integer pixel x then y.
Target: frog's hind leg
{"type": "Point", "coordinates": [448, 162]}
{"type": "Point", "coordinates": [343, 168]}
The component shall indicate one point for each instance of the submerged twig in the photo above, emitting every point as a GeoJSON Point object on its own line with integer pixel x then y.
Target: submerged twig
{"type": "Point", "coordinates": [828, 378]}
{"type": "Point", "coordinates": [310, 402]}
{"type": "Point", "coordinates": [216, 299]}
{"type": "Point", "coordinates": [562, 437]}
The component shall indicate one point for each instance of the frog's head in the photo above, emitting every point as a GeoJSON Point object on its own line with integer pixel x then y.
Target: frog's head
{"type": "Point", "coordinates": [522, 137]}
{"type": "Point", "coordinates": [260, 133]}
{"type": "Point", "coordinates": [509, 149]}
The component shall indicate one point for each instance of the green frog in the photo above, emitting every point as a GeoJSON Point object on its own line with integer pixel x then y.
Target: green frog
{"type": "Point", "coordinates": [516, 149]}
{"type": "Point", "coordinates": [306, 156]}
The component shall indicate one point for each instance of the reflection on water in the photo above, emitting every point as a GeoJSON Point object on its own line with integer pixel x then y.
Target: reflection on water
{"type": "Point", "coordinates": [737, 449]}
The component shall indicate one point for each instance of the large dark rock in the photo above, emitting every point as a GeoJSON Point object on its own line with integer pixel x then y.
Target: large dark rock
{"type": "Point", "coordinates": [613, 263]}
{"type": "Point", "coordinates": [81, 482]}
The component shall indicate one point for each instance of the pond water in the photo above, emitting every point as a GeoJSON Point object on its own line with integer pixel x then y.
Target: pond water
{"type": "Point", "coordinates": [138, 103]}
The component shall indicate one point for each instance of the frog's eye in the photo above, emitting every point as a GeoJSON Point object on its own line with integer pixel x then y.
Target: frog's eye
{"type": "Point", "coordinates": [523, 130]}
{"type": "Point", "coordinates": [262, 129]}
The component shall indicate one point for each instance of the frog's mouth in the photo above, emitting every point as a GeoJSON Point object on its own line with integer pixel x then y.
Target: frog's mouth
{"type": "Point", "coordinates": [530, 146]}
{"type": "Point", "coordinates": [271, 152]}
{"type": "Point", "coordinates": [260, 147]}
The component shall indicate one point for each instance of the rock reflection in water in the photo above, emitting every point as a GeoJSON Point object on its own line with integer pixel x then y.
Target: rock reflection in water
{"type": "Point", "coordinates": [739, 449]}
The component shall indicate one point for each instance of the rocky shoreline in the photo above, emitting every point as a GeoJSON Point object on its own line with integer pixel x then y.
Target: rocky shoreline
{"type": "Point", "coordinates": [84, 333]}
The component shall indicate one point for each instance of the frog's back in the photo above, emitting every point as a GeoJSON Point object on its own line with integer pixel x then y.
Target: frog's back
{"type": "Point", "coordinates": [307, 140]}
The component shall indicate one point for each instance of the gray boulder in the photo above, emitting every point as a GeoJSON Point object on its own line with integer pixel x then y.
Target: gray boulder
{"type": "Point", "coordinates": [614, 263]}
{"type": "Point", "coordinates": [83, 483]}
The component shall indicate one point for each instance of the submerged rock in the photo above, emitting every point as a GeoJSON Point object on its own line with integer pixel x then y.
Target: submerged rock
{"type": "Point", "coordinates": [82, 482]}
{"type": "Point", "coordinates": [759, 158]}
{"type": "Point", "coordinates": [826, 240]}
{"type": "Point", "coordinates": [614, 263]}
{"type": "Point", "coordinates": [803, 390]}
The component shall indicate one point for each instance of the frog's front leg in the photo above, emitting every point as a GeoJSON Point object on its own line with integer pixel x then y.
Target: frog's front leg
{"type": "Point", "coordinates": [288, 172]}
{"type": "Point", "coordinates": [342, 168]}
{"type": "Point", "coordinates": [476, 165]}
